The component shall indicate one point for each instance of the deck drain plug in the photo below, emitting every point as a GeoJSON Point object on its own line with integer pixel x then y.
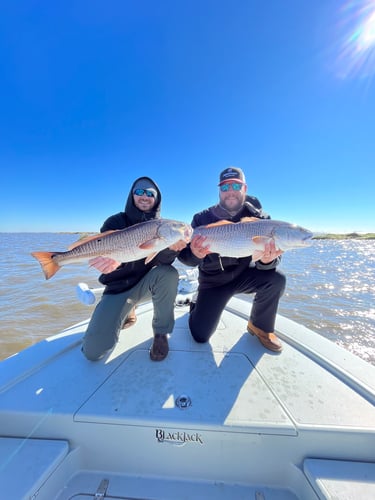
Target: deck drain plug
{"type": "Point", "coordinates": [183, 401]}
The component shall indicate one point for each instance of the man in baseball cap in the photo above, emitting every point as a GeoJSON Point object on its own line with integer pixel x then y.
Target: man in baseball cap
{"type": "Point", "coordinates": [222, 277]}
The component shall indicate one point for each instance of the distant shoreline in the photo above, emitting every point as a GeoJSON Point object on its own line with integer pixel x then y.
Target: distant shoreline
{"type": "Point", "coordinates": [348, 236]}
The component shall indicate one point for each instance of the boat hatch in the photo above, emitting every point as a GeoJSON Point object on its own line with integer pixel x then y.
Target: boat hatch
{"type": "Point", "coordinates": [201, 389]}
{"type": "Point", "coordinates": [25, 464]}
{"type": "Point", "coordinates": [341, 478]}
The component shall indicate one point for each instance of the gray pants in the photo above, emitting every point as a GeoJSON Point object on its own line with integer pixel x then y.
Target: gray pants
{"type": "Point", "coordinates": [159, 284]}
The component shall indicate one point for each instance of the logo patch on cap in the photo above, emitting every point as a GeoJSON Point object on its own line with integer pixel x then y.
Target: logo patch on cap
{"type": "Point", "coordinates": [232, 173]}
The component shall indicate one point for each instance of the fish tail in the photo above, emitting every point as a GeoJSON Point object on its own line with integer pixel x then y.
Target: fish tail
{"type": "Point", "coordinates": [49, 266]}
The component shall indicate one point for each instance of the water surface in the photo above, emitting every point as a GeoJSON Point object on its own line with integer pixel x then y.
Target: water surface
{"type": "Point", "coordinates": [330, 289]}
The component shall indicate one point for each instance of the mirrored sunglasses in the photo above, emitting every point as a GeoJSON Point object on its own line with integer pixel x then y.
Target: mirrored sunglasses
{"type": "Point", "coordinates": [236, 186]}
{"type": "Point", "coordinates": [141, 192]}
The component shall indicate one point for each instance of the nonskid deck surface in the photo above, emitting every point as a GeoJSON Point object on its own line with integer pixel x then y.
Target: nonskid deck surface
{"type": "Point", "coordinates": [223, 416]}
{"type": "Point", "coordinates": [230, 381]}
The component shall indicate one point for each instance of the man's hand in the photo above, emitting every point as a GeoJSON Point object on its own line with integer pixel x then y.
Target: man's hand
{"type": "Point", "coordinates": [198, 248]}
{"type": "Point", "coordinates": [177, 247]}
{"type": "Point", "coordinates": [270, 253]}
{"type": "Point", "coordinates": [104, 264]}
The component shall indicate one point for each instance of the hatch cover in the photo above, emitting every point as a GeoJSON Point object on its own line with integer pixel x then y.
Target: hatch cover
{"type": "Point", "coordinates": [191, 389]}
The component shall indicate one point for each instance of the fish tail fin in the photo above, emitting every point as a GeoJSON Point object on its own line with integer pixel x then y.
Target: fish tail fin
{"type": "Point", "coordinates": [49, 266]}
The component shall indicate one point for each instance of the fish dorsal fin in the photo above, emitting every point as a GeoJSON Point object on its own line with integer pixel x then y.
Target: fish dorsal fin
{"type": "Point", "coordinates": [94, 237]}
{"type": "Point", "coordinates": [219, 223]}
{"type": "Point", "coordinates": [225, 222]}
{"type": "Point", "coordinates": [249, 219]}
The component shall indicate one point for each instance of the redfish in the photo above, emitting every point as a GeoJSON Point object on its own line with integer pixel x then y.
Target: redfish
{"type": "Point", "coordinates": [143, 240]}
{"type": "Point", "coordinates": [249, 236]}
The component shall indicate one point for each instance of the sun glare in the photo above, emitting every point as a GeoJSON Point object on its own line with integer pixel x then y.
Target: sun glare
{"type": "Point", "coordinates": [367, 37]}
{"type": "Point", "coordinates": [356, 39]}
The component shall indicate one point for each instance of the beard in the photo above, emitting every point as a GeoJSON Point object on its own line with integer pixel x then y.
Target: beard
{"type": "Point", "coordinates": [232, 206]}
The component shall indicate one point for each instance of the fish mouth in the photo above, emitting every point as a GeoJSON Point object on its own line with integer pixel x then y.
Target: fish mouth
{"type": "Point", "coordinates": [306, 240]}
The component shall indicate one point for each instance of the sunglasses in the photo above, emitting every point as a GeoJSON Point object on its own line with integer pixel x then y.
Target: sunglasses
{"type": "Point", "coordinates": [236, 186]}
{"type": "Point", "coordinates": [141, 192]}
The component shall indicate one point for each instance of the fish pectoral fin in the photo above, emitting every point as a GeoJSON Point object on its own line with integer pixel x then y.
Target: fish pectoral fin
{"type": "Point", "coordinates": [261, 240]}
{"type": "Point", "coordinates": [150, 257]}
{"type": "Point", "coordinates": [149, 244]}
{"type": "Point", "coordinates": [249, 219]}
{"type": "Point", "coordinates": [94, 237]}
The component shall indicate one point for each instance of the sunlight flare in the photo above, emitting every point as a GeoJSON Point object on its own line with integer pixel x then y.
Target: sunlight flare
{"type": "Point", "coordinates": [356, 56]}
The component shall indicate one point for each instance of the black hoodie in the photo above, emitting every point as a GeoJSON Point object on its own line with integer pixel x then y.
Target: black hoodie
{"type": "Point", "coordinates": [129, 274]}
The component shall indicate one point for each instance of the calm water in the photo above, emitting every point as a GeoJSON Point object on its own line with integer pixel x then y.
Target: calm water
{"type": "Point", "coordinates": [330, 289]}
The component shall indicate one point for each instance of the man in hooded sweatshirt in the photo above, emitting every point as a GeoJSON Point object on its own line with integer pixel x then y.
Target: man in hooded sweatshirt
{"type": "Point", "coordinates": [127, 284]}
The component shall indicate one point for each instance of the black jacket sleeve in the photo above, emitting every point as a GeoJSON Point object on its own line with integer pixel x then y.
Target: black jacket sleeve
{"type": "Point", "coordinates": [166, 256]}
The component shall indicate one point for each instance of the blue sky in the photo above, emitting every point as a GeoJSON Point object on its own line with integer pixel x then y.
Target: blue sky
{"type": "Point", "coordinates": [97, 93]}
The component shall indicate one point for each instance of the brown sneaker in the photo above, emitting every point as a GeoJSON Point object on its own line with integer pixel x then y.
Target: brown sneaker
{"type": "Point", "coordinates": [268, 340]}
{"type": "Point", "coordinates": [130, 319]}
{"type": "Point", "coordinates": [159, 349]}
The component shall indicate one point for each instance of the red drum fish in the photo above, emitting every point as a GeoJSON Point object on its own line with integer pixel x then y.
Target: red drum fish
{"type": "Point", "coordinates": [143, 240]}
{"type": "Point", "coordinates": [249, 236]}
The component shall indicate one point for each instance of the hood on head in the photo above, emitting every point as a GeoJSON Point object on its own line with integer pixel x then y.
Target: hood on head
{"type": "Point", "coordinates": [145, 183]}
{"type": "Point", "coordinates": [133, 213]}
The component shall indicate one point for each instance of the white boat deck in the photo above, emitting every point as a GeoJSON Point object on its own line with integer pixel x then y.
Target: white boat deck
{"type": "Point", "coordinates": [223, 420]}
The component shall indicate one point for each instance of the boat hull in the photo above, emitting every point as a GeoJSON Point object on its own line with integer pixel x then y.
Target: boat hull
{"type": "Point", "coordinates": [222, 420]}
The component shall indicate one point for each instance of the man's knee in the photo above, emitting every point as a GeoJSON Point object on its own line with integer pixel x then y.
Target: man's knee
{"type": "Point", "coordinates": [198, 337]}
{"type": "Point", "coordinates": [165, 275]}
{"type": "Point", "coordinates": [166, 271]}
{"type": "Point", "coordinates": [198, 334]}
{"type": "Point", "coordinates": [276, 281]}
{"type": "Point", "coordinates": [92, 354]}
{"type": "Point", "coordinates": [280, 281]}
{"type": "Point", "coordinates": [95, 347]}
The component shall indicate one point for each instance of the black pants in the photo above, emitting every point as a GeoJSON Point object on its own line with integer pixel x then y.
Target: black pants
{"type": "Point", "coordinates": [268, 287]}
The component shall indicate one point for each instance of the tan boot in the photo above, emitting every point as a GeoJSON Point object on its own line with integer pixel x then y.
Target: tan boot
{"type": "Point", "coordinates": [268, 340]}
{"type": "Point", "coordinates": [130, 319]}
{"type": "Point", "coordinates": [160, 348]}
